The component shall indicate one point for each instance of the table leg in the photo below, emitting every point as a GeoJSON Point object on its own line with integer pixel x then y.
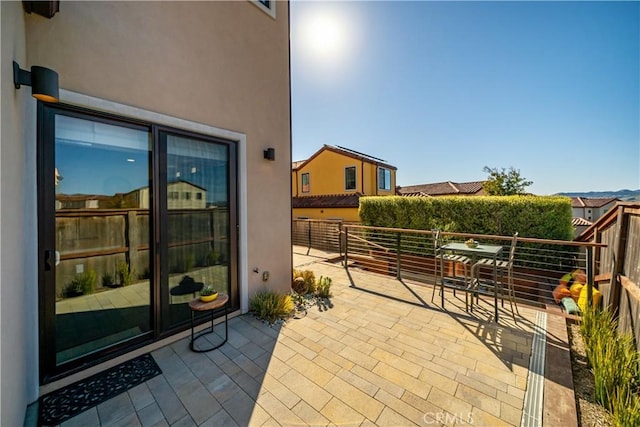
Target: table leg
{"type": "Point", "coordinates": [495, 286]}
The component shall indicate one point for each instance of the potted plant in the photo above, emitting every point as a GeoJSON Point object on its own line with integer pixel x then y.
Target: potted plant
{"type": "Point", "coordinates": [208, 294]}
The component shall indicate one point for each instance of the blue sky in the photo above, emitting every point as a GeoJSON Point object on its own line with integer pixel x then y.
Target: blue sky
{"type": "Point", "coordinates": [442, 89]}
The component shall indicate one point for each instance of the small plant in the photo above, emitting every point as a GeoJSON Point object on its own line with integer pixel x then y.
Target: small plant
{"type": "Point", "coordinates": [107, 279]}
{"type": "Point", "coordinates": [323, 288]}
{"type": "Point", "coordinates": [207, 290]}
{"type": "Point", "coordinates": [189, 262]}
{"type": "Point", "coordinates": [213, 257]}
{"type": "Point", "coordinates": [83, 284]}
{"type": "Point", "coordinates": [304, 282]}
{"type": "Point", "coordinates": [271, 306]}
{"type": "Point", "coordinates": [125, 273]}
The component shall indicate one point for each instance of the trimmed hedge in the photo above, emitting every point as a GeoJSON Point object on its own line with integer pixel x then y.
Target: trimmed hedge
{"type": "Point", "coordinates": [544, 217]}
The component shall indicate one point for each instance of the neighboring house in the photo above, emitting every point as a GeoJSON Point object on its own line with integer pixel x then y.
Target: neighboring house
{"type": "Point", "coordinates": [329, 184]}
{"type": "Point", "coordinates": [591, 208]}
{"type": "Point", "coordinates": [579, 225]}
{"type": "Point", "coordinates": [447, 188]}
{"type": "Point", "coordinates": [149, 91]}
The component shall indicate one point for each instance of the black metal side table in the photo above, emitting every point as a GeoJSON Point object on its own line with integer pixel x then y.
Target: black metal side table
{"type": "Point", "coordinates": [197, 305]}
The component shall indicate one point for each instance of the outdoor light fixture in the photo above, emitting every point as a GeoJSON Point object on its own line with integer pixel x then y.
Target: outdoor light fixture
{"type": "Point", "coordinates": [270, 154]}
{"type": "Point", "coordinates": [43, 82]}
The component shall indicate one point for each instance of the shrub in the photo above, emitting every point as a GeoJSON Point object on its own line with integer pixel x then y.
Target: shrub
{"type": "Point", "coordinates": [83, 284]}
{"type": "Point", "coordinates": [307, 284]}
{"type": "Point", "coordinates": [107, 279]}
{"type": "Point", "coordinates": [125, 273]}
{"type": "Point", "coordinates": [323, 289]}
{"type": "Point", "coordinates": [271, 306]}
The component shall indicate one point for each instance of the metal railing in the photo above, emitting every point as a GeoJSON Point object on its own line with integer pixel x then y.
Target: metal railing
{"type": "Point", "coordinates": [321, 234]}
{"type": "Point", "coordinates": [409, 254]}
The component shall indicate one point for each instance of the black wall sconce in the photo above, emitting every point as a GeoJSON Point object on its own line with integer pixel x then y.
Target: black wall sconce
{"type": "Point", "coordinates": [43, 82]}
{"type": "Point", "coordinates": [270, 154]}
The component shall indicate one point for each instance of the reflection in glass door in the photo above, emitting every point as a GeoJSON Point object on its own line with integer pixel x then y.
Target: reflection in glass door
{"type": "Point", "coordinates": [102, 264]}
{"type": "Point", "coordinates": [198, 222]}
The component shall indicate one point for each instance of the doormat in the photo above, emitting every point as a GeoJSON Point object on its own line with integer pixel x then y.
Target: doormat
{"type": "Point", "coordinates": [60, 405]}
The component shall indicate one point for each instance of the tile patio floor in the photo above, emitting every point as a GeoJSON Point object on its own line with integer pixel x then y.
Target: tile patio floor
{"type": "Point", "coordinates": [379, 354]}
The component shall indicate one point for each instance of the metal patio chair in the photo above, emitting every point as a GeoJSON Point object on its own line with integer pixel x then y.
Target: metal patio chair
{"type": "Point", "coordinates": [463, 260]}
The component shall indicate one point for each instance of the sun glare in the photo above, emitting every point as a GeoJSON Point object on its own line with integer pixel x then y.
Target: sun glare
{"type": "Point", "coordinates": [325, 35]}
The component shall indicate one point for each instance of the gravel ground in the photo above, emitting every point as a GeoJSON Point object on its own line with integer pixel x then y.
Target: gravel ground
{"type": "Point", "coordinates": [590, 414]}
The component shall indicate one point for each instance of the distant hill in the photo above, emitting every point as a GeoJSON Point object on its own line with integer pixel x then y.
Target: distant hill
{"type": "Point", "coordinates": [623, 195]}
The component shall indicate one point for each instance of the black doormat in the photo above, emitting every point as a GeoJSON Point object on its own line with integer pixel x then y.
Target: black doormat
{"type": "Point", "coordinates": [63, 404]}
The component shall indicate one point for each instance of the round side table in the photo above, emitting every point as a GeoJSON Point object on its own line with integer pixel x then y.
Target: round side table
{"type": "Point", "coordinates": [197, 305]}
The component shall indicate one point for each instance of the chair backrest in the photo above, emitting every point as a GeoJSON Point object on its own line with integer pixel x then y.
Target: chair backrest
{"type": "Point", "coordinates": [436, 239]}
{"type": "Point", "coordinates": [512, 250]}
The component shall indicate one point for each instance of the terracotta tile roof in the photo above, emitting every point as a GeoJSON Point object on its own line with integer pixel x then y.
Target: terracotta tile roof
{"type": "Point", "coordinates": [591, 202]}
{"type": "Point", "coordinates": [579, 222]}
{"type": "Point", "coordinates": [443, 189]}
{"type": "Point", "coordinates": [327, 201]}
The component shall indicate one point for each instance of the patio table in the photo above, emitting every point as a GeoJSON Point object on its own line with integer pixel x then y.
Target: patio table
{"type": "Point", "coordinates": [482, 250]}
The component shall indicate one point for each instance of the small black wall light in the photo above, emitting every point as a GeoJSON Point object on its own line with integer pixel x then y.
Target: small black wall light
{"type": "Point", "coordinates": [270, 154]}
{"type": "Point", "coordinates": [43, 82]}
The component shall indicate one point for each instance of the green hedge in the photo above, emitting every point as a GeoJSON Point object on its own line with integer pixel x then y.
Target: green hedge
{"type": "Point", "coordinates": [544, 217]}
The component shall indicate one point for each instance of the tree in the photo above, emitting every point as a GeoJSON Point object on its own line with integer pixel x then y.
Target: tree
{"type": "Point", "coordinates": [504, 183]}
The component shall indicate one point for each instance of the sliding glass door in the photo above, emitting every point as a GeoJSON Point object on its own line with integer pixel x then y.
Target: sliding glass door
{"type": "Point", "coordinates": [133, 220]}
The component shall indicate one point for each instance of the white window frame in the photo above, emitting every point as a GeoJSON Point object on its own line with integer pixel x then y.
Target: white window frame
{"type": "Point", "coordinates": [269, 10]}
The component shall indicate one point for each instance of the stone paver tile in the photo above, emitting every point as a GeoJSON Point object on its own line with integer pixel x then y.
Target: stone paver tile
{"type": "Point", "coordinates": [239, 407]}
{"type": "Point", "coordinates": [280, 391]}
{"type": "Point", "coordinates": [460, 359]}
{"type": "Point", "coordinates": [130, 420]}
{"type": "Point", "coordinates": [150, 415]}
{"type": "Point", "coordinates": [200, 404]}
{"type": "Point", "coordinates": [358, 382]}
{"type": "Point", "coordinates": [223, 388]}
{"type": "Point", "coordinates": [309, 415]}
{"type": "Point", "coordinates": [278, 411]}
{"type": "Point", "coordinates": [486, 378]}
{"type": "Point", "coordinates": [410, 368]}
{"type": "Point", "coordinates": [480, 386]}
{"type": "Point", "coordinates": [423, 405]}
{"type": "Point", "coordinates": [419, 387]}
{"type": "Point", "coordinates": [294, 334]}
{"type": "Point", "coordinates": [83, 419]}
{"type": "Point", "coordinates": [250, 385]}
{"type": "Point", "coordinates": [391, 418]}
{"type": "Point", "coordinates": [277, 368]}
{"type": "Point", "coordinates": [386, 346]}
{"type": "Point", "coordinates": [333, 344]}
{"type": "Point", "coordinates": [358, 357]}
{"type": "Point", "coordinates": [220, 418]}
{"type": "Point", "coordinates": [480, 418]}
{"type": "Point", "coordinates": [320, 360]}
{"type": "Point", "coordinates": [140, 396]}
{"type": "Point", "coordinates": [307, 390]}
{"type": "Point", "coordinates": [311, 370]}
{"type": "Point", "coordinates": [352, 396]}
{"type": "Point", "coordinates": [338, 360]}
{"type": "Point", "coordinates": [510, 414]}
{"type": "Point", "coordinates": [509, 399]}
{"type": "Point", "coordinates": [116, 408]}
{"type": "Point", "coordinates": [185, 421]}
{"type": "Point", "coordinates": [435, 379]}
{"type": "Point", "coordinates": [381, 319]}
{"type": "Point", "coordinates": [341, 414]}
{"type": "Point", "coordinates": [312, 345]}
{"type": "Point", "coordinates": [478, 400]}
{"type": "Point", "coordinates": [167, 399]}
{"type": "Point", "coordinates": [516, 392]}
{"type": "Point", "coordinates": [417, 347]}
{"type": "Point", "coordinates": [296, 347]}
{"type": "Point", "coordinates": [251, 350]}
{"type": "Point", "coordinates": [448, 403]}
{"type": "Point", "coordinates": [408, 411]}
{"type": "Point", "coordinates": [391, 387]}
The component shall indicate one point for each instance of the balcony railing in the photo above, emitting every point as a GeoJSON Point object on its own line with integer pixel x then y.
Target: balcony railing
{"type": "Point", "coordinates": [409, 254]}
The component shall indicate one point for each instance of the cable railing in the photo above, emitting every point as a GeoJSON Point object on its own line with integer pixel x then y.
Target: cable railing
{"type": "Point", "coordinates": [324, 235]}
{"type": "Point", "coordinates": [410, 254]}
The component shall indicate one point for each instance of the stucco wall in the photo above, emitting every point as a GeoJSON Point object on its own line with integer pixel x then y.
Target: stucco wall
{"type": "Point", "coordinates": [223, 64]}
{"type": "Point", "coordinates": [17, 363]}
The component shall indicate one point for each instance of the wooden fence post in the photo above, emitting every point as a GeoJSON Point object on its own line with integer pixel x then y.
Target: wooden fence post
{"type": "Point", "coordinates": [618, 261]}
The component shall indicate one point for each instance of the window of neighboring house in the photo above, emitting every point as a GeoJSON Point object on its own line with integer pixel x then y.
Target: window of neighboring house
{"type": "Point", "coordinates": [198, 196]}
{"type": "Point", "coordinates": [384, 179]}
{"type": "Point", "coordinates": [350, 178]}
{"type": "Point", "coordinates": [267, 6]}
{"type": "Point", "coordinates": [305, 182]}
{"type": "Point", "coordinates": [186, 195]}
{"type": "Point", "coordinates": [173, 195]}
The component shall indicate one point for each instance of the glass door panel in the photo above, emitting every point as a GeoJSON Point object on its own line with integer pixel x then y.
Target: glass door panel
{"type": "Point", "coordinates": [198, 222]}
{"type": "Point", "coordinates": [102, 233]}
